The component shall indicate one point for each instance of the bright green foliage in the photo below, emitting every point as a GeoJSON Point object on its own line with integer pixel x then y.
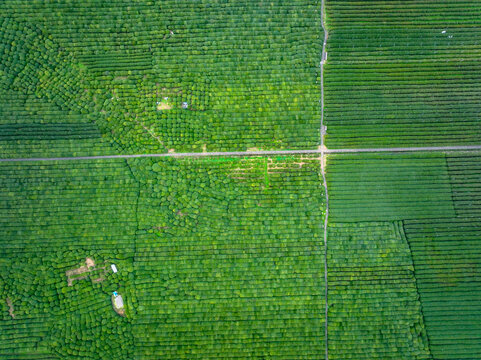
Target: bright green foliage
{"type": "Point", "coordinates": [53, 216]}
{"type": "Point", "coordinates": [246, 71]}
{"type": "Point", "coordinates": [392, 13]}
{"type": "Point", "coordinates": [439, 198]}
{"type": "Point", "coordinates": [233, 265]}
{"type": "Point", "coordinates": [223, 257]}
{"type": "Point", "coordinates": [33, 126]}
{"type": "Point", "coordinates": [374, 309]}
{"type": "Point", "coordinates": [447, 259]}
{"type": "Point", "coordinates": [464, 172]}
{"type": "Point", "coordinates": [378, 187]}
{"type": "Point", "coordinates": [403, 73]}
{"type": "Point", "coordinates": [37, 68]}
{"type": "Point", "coordinates": [217, 258]}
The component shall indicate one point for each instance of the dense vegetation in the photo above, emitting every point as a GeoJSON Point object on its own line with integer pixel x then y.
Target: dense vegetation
{"type": "Point", "coordinates": [221, 257]}
{"type": "Point", "coordinates": [403, 73]}
{"type": "Point", "coordinates": [446, 254]}
{"type": "Point", "coordinates": [374, 308]}
{"type": "Point", "coordinates": [404, 246]}
{"type": "Point", "coordinates": [377, 187]}
{"type": "Point", "coordinates": [161, 75]}
{"type": "Point", "coordinates": [217, 258]}
{"type": "Point", "coordinates": [53, 217]}
{"type": "Point", "coordinates": [237, 268]}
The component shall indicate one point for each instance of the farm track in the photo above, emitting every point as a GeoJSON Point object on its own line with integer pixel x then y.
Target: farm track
{"type": "Point", "coordinates": [253, 153]}
{"type": "Point", "coordinates": [323, 173]}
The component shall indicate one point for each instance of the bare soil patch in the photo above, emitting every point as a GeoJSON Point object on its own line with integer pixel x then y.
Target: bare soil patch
{"type": "Point", "coordinates": [323, 158]}
{"type": "Point", "coordinates": [180, 213]}
{"type": "Point", "coordinates": [164, 106]}
{"type": "Point", "coordinates": [77, 271]}
{"type": "Point", "coordinates": [10, 307]}
{"type": "Point", "coordinates": [88, 268]}
{"type": "Point", "coordinates": [89, 262]}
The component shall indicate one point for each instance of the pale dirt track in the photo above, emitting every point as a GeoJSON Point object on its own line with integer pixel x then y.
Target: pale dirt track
{"type": "Point", "coordinates": [252, 153]}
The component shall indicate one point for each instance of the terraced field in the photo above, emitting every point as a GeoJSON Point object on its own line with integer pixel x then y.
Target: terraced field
{"type": "Point", "coordinates": [371, 187]}
{"type": "Point", "coordinates": [446, 254]}
{"type": "Point", "coordinates": [243, 276]}
{"type": "Point", "coordinates": [53, 217]}
{"type": "Point", "coordinates": [374, 308]}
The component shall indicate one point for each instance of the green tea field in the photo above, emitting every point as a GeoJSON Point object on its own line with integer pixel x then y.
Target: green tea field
{"type": "Point", "coordinates": [259, 180]}
{"type": "Point", "coordinates": [403, 73]}
{"type": "Point", "coordinates": [404, 271]}
{"type": "Point", "coordinates": [216, 259]}
{"type": "Point", "coordinates": [153, 76]}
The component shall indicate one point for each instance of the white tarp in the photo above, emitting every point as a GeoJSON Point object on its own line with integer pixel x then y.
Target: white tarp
{"type": "Point", "coordinates": [119, 302]}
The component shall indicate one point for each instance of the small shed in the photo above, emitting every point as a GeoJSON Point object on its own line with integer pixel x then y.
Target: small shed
{"type": "Point", "coordinates": [114, 268]}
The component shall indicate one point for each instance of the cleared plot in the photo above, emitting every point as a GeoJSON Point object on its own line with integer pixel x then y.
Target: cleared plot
{"type": "Point", "coordinates": [447, 259]}
{"type": "Point", "coordinates": [374, 308]}
{"type": "Point", "coordinates": [236, 74]}
{"type": "Point", "coordinates": [380, 187]}
{"type": "Point", "coordinates": [403, 74]}
{"type": "Point", "coordinates": [233, 266]}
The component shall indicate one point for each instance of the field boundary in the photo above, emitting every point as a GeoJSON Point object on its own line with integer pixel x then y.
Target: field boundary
{"type": "Point", "coordinates": [323, 162]}
{"type": "Point", "coordinates": [320, 151]}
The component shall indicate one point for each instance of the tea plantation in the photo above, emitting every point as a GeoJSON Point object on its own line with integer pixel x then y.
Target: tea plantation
{"type": "Point", "coordinates": [403, 73]}
{"type": "Point", "coordinates": [351, 255]}
{"type": "Point", "coordinates": [160, 75]}
{"type": "Point", "coordinates": [404, 283]}
{"type": "Point", "coordinates": [219, 258]}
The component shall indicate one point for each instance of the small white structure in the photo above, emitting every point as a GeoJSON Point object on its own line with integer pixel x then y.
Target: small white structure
{"type": "Point", "coordinates": [114, 268]}
{"type": "Point", "coordinates": [185, 105]}
{"type": "Point", "coordinates": [443, 32]}
{"type": "Point", "coordinates": [324, 58]}
{"type": "Point", "coordinates": [119, 302]}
